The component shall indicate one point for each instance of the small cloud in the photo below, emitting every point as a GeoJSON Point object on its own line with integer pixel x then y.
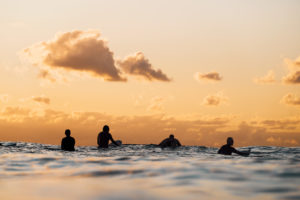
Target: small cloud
{"type": "Point", "coordinates": [292, 78]}
{"type": "Point", "coordinates": [46, 74]}
{"type": "Point", "coordinates": [214, 100]}
{"type": "Point", "coordinates": [138, 65]}
{"type": "Point", "coordinates": [267, 79]}
{"type": "Point", "coordinates": [211, 76]}
{"type": "Point", "coordinates": [291, 99]}
{"type": "Point", "coordinates": [81, 51]}
{"type": "Point", "coordinates": [41, 99]}
{"type": "Point", "coordinates": [294, 75]}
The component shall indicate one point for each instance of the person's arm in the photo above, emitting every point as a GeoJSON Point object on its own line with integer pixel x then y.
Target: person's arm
{"type": "Point", "coordinates": [220, 151]}
{"type": "Point", "coordinates": [112, 140]}
{"type": "Point", "coordinates": [178, 143]}
{"type": "Point", "coordinates": [62, 144]}
{"type": "Point", "coordinates": [98, 139]}
{"type": "Point", "coordinates": [240, 152]}
{"type": "Point", "coordinates": [163, 143]}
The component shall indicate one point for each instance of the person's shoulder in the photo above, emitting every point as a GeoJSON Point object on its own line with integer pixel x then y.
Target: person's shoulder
{"type": "Point", "coordinates": [231, 147]}
{"type": "Point", "coordinates": [100, 133]}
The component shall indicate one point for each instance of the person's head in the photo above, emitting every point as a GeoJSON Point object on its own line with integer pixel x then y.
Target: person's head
{"type": "Point", "coordinates": [105, 128]}
{"type": "Point", "coordinates": [230, 141]}
{"type": "Point", "coordinates": [171, 136]}
{"type": "Point", "coordinates": [67, 132]}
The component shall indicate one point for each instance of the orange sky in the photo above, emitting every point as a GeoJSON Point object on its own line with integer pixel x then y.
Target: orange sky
{"type": "Point", "coordinates": [202, 70]}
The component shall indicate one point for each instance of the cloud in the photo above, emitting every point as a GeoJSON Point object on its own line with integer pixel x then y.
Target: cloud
{"type": "Point", "coordinates": [294, 75]}
{"type": "Point", "coordinates": [267, 79]}
{"type": "Point", "coordinates": [292, 78]}
{"type": "Point", "coordinates": [47, 126]}
{"type": "Point", "coordinates": [15, 110]}
{"type": "Point", "coordinates": [291, 99]}
{"type": "Point", "coordinates": [77, 50]}
{"type": "Point", "coordinates": [214, 100]}
{"type": "Point", "coordinates": [281, 124]}
{"type": "Point", "coordinates": [45, 74]}
{"type": "Point", "coordinates": [41, 99]}
{"type": "Point", "coordinates": [138, 65]}
{"type": "Point", "coordinates": [211, 76]}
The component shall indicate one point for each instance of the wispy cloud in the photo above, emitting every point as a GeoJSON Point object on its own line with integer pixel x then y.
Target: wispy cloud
{"type": "Point", "coordinates": [211, 76]}
{"type": "Point", "coordinates": [138, 65]}
{"type": "Point", "coordinates": [41, 99]}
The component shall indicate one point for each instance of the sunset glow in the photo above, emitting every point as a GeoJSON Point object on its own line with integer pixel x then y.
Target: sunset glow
{"type": "Point", "coordinates": [202, 70]}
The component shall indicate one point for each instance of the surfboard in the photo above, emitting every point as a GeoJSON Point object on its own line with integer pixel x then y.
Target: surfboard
{"type": "Point", "coordinates": [119, 142]}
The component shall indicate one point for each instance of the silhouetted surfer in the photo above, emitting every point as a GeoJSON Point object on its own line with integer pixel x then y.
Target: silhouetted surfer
{"type": "Point", "coordinates": [170, 142]}
{"type": "Point", "coordinates": [68, 142]}
{"type": "Point", "coordinates": [104, 137]}
{"type": "Point", "coordinates": [227, 149]}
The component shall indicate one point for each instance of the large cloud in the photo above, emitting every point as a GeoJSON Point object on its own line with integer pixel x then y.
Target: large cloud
{"type": "Point", "coordinates": [47, 126]}
{"type": "Point", "coordinates": [78, 50]}
{"type": "Point", "coordinates": [138, 65]}
{"type": "Point", "coordinates": [86, 51]}
{"type": "Point", "coordinates": [211, 76]}
{"type": "Point", "coordinates": [291, 99]}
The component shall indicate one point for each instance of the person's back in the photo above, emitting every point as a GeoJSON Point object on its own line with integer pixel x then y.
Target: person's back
{"type": "Point", "coordinates": [104, 137]}
{"type": "Point", "coordinates": [170, 142]}
{"type": "Point", "coordinates": [68, 142]}
{"type": "Point", "coordinates": [226, 150]}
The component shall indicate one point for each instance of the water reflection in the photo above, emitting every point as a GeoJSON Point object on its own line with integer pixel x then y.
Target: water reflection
{"type": "Point", "coordinates": [35, 171]}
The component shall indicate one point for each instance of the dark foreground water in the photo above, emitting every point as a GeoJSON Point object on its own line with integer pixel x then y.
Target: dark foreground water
{"type": "Point", "coordinates": [36, 171]}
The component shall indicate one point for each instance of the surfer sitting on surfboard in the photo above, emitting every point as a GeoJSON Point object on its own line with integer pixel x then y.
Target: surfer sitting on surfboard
{"type": "Point", "coordinates": [104, 137]}
{"type": "Point", "coordinates": [227, 149]}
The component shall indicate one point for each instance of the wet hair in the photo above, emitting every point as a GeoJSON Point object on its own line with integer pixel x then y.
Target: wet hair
{"type": "Point", "coordinates": [171, 136]}
{"type": "Point", "coordinates": [67, 132]}
{"type": "Point", "coordinates": [105, 128]}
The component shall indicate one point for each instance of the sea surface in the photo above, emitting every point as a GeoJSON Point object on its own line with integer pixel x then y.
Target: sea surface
{"type": "Point", "coordinates": [37, 171]}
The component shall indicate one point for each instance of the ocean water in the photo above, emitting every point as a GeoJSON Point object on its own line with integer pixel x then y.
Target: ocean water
{"type": "Point", "coordinates": [37, 171]}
